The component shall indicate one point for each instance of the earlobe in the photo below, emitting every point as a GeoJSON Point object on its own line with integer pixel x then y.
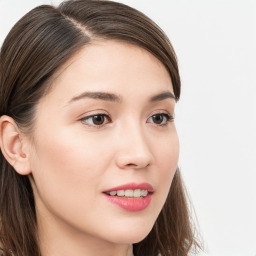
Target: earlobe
{"type": "Point", "coordinates": [13, 146]}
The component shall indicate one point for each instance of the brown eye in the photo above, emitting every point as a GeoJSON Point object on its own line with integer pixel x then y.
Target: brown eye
{"type": "Point", "coordinates": [95, 120]}
{"type": "Point", "coordinates": [160, 119]}
{"type": "Point", "coordinates": [98, 120]}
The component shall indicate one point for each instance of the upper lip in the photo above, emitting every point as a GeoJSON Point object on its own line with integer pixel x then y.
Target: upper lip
{"type": "Point", "coordinates": [132, 186]}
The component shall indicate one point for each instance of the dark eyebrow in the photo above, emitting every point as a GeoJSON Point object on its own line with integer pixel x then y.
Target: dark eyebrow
{"type": "Point", "coordinates": [162, 96]}
{"type": "Point", "coordinates": [98, 96]}
{"type": "Point", "coordinates": [115, 98]}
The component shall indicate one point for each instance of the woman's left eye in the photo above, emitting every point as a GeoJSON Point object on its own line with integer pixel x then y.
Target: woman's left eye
{"type": "Point", "coordinates": [96, 120]}
{"type": "Point", "coordinates": [160, 119]}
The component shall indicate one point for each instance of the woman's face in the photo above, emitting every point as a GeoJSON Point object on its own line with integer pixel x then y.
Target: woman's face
{"type": "Point", "coordinates": [105, 126]}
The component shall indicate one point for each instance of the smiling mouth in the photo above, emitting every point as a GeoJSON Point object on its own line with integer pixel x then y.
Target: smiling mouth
{"type": "Point", "coordinates": [132, 197]}
{"type": "Point", "coordinates": [129, 193]}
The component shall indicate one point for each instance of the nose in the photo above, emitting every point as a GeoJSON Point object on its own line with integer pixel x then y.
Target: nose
{"type": "Point", "coordinates": [133, 150]}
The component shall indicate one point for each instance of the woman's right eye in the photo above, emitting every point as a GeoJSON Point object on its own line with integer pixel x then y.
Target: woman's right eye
{"type": "Point", "coordinates": [96, 120]}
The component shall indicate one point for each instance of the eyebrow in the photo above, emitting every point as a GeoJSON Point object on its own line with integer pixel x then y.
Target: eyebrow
{"type": "Point", "coordinates": [98, 96]}
{"type": "Point", "coordinates": [105, 96]}
{"type": "Point", "coordinates": [162, 96]}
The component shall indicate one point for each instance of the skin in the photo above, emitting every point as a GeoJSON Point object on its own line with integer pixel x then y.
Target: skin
{"type": "Point", "coordinates": [71, 160]}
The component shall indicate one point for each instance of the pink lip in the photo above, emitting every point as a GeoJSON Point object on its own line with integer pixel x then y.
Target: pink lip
{"type": "Point", "coordinates": [131, 204]}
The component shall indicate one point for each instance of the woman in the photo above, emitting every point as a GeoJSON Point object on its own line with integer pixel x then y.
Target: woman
{"type": "Point", "coordinates": [89, 146]}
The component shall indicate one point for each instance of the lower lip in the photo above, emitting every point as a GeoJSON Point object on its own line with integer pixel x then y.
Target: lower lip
{"type": "Point", "coordinates": [130, 204]}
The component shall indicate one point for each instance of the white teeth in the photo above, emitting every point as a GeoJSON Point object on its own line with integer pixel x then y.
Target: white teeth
{"type": "Point", "coordinates": [128, 193]}
{"type": "Point", "coordinates": [144, 192]}
{"type": "Point", "coordinates": [120, 192]}
{"type": "Point", "coordinates": [112, 193]}
{"type": "Point", "coordinates": [137, 193]}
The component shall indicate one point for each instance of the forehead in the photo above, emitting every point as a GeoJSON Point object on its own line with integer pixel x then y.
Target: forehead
{"type": "Point", "coordinates": [111, 66]}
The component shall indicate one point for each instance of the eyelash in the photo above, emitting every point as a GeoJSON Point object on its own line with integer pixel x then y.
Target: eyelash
{"type": "Point", "coordinates": [168, 118]}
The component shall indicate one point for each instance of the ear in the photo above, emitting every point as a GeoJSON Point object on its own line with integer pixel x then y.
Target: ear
{"type": "Point", "coordinates": [14, 145]}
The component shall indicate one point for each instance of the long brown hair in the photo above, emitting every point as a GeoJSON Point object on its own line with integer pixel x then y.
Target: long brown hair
{"type": "Point", "coordinates": [42, 41]}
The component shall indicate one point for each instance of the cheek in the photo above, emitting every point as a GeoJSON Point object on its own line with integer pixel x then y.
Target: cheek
{"type": "Point", "coordinates": [67, 176]}
{"type": "Point", "coordinates": [64, 166]}
{"type": "Point", "coordinates": [63, 151]}
{"type": "Point", "coordinates": [166, 156]}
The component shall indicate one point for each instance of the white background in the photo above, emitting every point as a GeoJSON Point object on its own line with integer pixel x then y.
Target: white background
{"type": "Point", "coordinates": [216, 117]}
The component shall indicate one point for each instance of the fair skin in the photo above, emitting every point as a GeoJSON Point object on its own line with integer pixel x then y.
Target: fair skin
{"type": "Point", "coordinates": [74, 156]}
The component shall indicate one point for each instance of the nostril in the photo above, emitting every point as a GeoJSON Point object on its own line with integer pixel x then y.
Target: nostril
{"type": "Point", "coordinates": [131, 164]}
{"type": "Point", "coordinates": [142, 165]}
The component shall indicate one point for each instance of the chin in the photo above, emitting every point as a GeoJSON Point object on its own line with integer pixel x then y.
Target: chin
{"type": "Point", "coordinates": [131, 234]}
